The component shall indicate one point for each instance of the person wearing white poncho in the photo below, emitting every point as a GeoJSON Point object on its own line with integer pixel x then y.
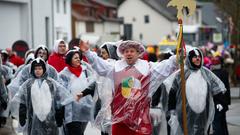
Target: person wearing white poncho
{"type": "Point", "coordinates": [201, 86]}
{"type": "Point", "coordinates": [134, 82]}
{"type": "Point", "coordinates": [78, 78]}
{"type": "Point", "coordinates": [41, 99]}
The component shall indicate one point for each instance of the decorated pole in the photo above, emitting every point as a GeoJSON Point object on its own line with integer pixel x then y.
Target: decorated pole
{"type": "Point", "coordinates": [190, 5]}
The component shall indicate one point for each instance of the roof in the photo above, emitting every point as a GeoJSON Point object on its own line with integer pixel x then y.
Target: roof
{"type": "Point", "coordinates": [111, 19]}
{"type": "Point", "coordinates": [161, 7]}
{"type": "Point", "coordinates": [82, 2]}
{"type": "Point", "coordinates": [80, 17]}
{"type": "Point", "coordinates": [105, 3]}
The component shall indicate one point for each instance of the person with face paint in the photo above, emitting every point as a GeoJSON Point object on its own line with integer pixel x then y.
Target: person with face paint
{"type": "Point", "coordinates": [40, 100]}
{"type": "Point", "coordinates": [134, 81]}
{"type": "Point", "coordinates": [56, 59]}
{"type": "Point", "coordinates": [78, 78]}
{"type": "Point", "coordinates": [201, 86]}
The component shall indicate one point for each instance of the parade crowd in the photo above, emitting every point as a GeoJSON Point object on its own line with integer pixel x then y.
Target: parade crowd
{"type": "Point", "coordinates": [120, 89]}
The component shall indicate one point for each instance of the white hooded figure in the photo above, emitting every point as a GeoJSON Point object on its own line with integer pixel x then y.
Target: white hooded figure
{"type": "Point", "coordinates": [40, 102]}
{"type": "Point", "coordinates": [42, 52]}
{"type": "Point", "coordinates": [105, 87]}
{"type": "Point", "coordinates": [201, 86]}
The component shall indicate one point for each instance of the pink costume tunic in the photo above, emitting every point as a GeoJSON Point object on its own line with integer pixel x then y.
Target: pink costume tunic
{"type": "Point", "coordinates": [131, 103]}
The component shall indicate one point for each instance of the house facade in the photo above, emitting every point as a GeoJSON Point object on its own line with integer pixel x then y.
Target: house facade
{"type": "Point", "coordinates": [146, 21]}
{"type": "Point", "coordinates": [150, 21]}
{"type": "Point", "coordinates": [27, 20]}
{"type": "Point", "coordinates": [95, 21]}
{"type": "Point", "coordinates": [62, 20]}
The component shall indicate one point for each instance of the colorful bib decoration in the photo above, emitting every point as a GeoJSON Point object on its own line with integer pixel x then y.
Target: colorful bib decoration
{"type": "Point", "coordinates": [127, 85]}
{"type": "Point", "coordinates": [130, 85]}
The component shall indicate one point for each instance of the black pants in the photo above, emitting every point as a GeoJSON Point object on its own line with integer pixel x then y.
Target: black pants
{"type": "Point", "coordinates": [102, 133]}
{"type": "Point", "coordinates": [76, 128]}
{"type": "Point", "coordinates": [219, 124]}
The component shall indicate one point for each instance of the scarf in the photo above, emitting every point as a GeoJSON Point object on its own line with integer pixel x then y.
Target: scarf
{"type": "Point", "coordinates": [75, 70]}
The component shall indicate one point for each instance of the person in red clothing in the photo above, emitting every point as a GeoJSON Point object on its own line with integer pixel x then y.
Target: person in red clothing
{"type": "Point", "coordinates": [13, 58]}
{"type": "Point", "coordinates": [134, 81]}
{"type": "Point", "coordinates": [56, 59]}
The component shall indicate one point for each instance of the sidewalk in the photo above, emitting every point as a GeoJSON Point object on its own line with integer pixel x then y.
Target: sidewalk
{"type": "Point", "coordinates": [233, 115]}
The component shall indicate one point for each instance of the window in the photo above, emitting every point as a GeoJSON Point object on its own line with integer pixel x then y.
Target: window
{"type": "Point", "coordinates": [65, 6]}
{"type": "Point", "coordinates": [47, 30]}
{"type": "Point", "coordinates": [58, 6]}
{"type": "Point", "coordinates": [146, 19]}
{"type": "Point", "coordinates": [89, 27]}
{"type": "Point", "coordinates": [141, 36]}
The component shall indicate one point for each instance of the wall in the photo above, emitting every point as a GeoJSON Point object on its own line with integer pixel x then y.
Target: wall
{"type": "Point", "coordinates": [152, 32]}
{"type": "Point", "coordinates": [62, 21]}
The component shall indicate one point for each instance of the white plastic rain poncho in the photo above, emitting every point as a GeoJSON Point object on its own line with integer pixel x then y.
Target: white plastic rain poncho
{"type": "Point", "coordinates": [81, 111]}
{"type": "Point", "coordinates": [35, 105]}
{"type": "Point", "coordinates": [201, 86]}
{"type": "Point", "coordinates": [133, 88]}
{"type": "Point", "coordinates": [105, 89]}
{"type": "Point", "coordinates": [5, 75]}
{"type": "Point", "coordinates": [25, 74]}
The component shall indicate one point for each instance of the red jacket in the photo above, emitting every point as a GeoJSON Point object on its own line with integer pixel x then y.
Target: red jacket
{"type": "Point", "coordinates": [57, 61]}
{"type": "Point", "coordinates": [16, 60]}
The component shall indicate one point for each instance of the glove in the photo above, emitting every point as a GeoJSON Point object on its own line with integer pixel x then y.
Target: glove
{"type": "Point", "coordinates": [173, 123]}
{"type": "Point", "coordinates": [22, 114]}
{"type": "Point", "coordinates": [219, 107]}
{"type": "Point", "coordinates": [59, 116]}
{"type": "Point", "coordinates": [156, 115]}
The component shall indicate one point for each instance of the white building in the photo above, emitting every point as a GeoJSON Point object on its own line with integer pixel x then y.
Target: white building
{"type": "Point", "coordinates": [150, 21]}
{"type": "Point", "coordinates": [28, 20]}
{"type": "Point", "coordinates": [62, 20]}
{"type": "Point", "coordinates": [147, 20]}
{"type": "Point", "coordinates": [95, 21]}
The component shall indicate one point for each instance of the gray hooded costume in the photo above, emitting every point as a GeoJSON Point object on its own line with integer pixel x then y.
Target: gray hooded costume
{"type": "Point", "coordinates": [39, 100]}
{"type": "Point", "coordinates": [201, 86]}
{"type": "Point", "coordinates": [25, 74]}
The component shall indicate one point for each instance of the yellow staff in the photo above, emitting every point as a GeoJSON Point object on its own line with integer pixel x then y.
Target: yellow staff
{"type": "Point", "coordinates": [190, 5]}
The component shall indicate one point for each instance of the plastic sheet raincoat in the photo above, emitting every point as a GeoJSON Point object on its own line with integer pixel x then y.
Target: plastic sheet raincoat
{"type": "Point", "coordinates": [39, 98]}
{"type": "Point", "coordinates": [81, 111]}
{"type": "Point", "coordinates": [5, 78]}
{"type": "Point", "coordinates": [201, 86]}
{"type": "Point", "coordinates": [5, 75]}
{"type": "Point", "coordinates": [133, 87]}
{"type": "Point", "coordinates": [25, 74]}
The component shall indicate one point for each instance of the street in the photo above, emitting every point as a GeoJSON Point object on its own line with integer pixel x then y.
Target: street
{"type": "Point", "coordinates": [233, 118]}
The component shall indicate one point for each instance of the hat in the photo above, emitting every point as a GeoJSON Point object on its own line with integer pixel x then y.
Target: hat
{"type": "Point", "coordinates": [38, 62]}
{"type": "Point", "coordinates": [29, 58]}
{"type": "Point", "coordinates": [111, 48]}
{"type": "Point", "coordinates": [192, 53]}
{"type": "Point", "coordinates": [69, 56]}
{"type": "Point", "coordinates": [57, 42]}
{"type": "Point", "coordinates": [123, 45]}
{"type": "Point", "coordinates": [39, 48]}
